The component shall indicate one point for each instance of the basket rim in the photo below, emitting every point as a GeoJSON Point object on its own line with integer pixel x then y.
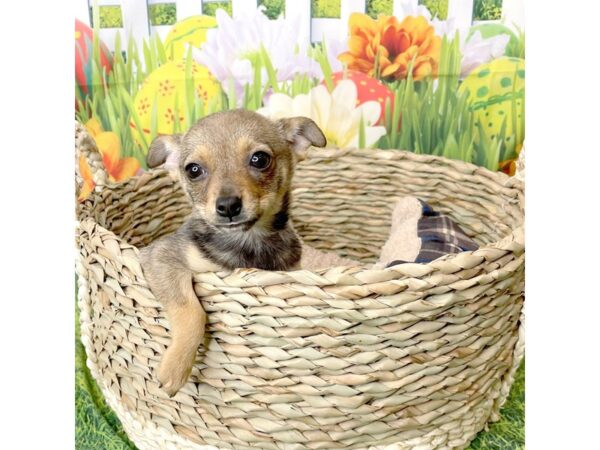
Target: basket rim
{"type": "Point", "coordinates": [511, 242]}
{"type": "Point", "coordinates": [248, 277]}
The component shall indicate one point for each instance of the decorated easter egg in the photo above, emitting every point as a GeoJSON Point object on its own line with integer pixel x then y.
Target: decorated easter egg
{"type": "Point", "coordinates": [496, 95]}
{"type": "Point", "coordinates": [489, 30]}
{"type": "Point", "coordinates": [367, 89]}
{"type": "Point", "coordinates": [83, 57]}
{"type": "Point", "coordinates": [190, 31]}
{"type": "Point", "coordinates": [165, 90]}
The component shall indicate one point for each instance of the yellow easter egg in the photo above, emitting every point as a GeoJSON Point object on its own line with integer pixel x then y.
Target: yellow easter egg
{"type": "Point", "coordinates": [188, 31]}
{"type": "Point", "coordinates": [165, 90]}
{"type": "Point", "coordinates": [496, 94]}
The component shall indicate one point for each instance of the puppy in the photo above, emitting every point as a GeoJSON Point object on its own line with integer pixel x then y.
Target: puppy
{"type": "Point", "coordinates": [236, 167]}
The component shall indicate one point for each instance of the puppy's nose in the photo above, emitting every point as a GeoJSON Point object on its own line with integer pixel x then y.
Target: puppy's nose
{"type": "Point", "coordinates": [229, 206]}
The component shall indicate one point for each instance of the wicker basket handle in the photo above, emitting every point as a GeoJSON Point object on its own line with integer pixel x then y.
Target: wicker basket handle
{"type": "Point", "coordinates": [86, 148]}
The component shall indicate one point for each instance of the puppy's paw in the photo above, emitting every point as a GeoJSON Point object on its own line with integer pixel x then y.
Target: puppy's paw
{"type": "Point", "coordinates": [174, 370]}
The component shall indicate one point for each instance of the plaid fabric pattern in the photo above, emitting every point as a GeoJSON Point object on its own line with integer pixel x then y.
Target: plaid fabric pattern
{"type": "Point", "coordinates": [440, 236]}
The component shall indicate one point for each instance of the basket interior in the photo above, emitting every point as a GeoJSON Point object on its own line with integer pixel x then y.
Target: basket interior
{"type": "Point", "coordinates": [345, 204]}
{"type": "Point", "coordinates": [340, 204]}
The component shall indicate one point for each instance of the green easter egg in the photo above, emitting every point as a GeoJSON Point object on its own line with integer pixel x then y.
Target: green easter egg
{"type": "Point", "coordinates": [496, 94]}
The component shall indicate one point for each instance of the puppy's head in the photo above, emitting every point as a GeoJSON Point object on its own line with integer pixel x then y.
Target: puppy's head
{"type": "Point", "coordinates": [237, 166]}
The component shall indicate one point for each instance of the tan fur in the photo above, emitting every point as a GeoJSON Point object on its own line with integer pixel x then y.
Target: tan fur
{"type": "Point", "coordinates": [222, 144]}
{"type": "Point", "coordinates": [197, 262]}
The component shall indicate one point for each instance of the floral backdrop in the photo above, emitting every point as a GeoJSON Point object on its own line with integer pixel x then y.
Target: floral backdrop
{"type": "Point", "coordinates": [419, 83]}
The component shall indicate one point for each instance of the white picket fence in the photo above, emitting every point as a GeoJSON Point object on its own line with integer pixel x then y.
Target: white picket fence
{"type": "Point", "coordinates": [137, 24]}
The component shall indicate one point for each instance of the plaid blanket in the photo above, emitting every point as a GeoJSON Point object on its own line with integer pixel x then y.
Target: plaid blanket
{"type": "Point", "coordinates": [439, 236]}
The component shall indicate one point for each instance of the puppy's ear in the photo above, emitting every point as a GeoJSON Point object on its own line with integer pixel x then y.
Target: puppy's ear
{"type": "Point", "coordinates": [301, 133]}
{"type": "Point", "coordinates": [164, 152]}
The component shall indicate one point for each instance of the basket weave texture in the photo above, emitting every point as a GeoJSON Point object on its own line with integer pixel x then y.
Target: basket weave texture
{"type": "Point", "coordinates": [414, 356]}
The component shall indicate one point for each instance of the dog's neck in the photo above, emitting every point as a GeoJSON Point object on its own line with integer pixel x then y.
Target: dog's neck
{"type": "Point", "coordinates": [272, 247]}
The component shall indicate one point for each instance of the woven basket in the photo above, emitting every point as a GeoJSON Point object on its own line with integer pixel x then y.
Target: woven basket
{"type": "Point", "coordinates": [418, 355]}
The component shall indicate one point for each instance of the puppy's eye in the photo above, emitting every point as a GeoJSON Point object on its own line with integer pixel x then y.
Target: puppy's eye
{"type": "Point", "coordinates": [194, 171]}
{"type": "Point", "coordinates": [260, 160]}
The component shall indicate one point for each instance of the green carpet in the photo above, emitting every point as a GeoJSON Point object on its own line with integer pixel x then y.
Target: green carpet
{"type": "Point", "coordinates": [97, 427]}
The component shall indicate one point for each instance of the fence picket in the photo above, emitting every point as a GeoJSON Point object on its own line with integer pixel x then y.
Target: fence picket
{"type": "Point", "coordinates": [462, 13]}
{"type": "Point", "coordinates": [513, 13]}
{"type": "Point", "coordinates": [136, 23]}
{"type": "Point", "coordinates": [135, 20]}
{"type": "Point", "coordinates": [241, 7]}
{"type": "Point", "coordinates": [83, 12]}
{"type": "Point", "coordinates": [348, 7]}
{"type": "Point", "coordinates": [187, 8]}
{"type": "Point", "coordinates": [300, 10]}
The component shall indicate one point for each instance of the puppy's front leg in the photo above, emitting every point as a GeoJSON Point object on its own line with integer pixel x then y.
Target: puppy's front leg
{"type": "Point", "coordinates": [188, 321]}
{"type": "Point", "coordinates": [170, 280]}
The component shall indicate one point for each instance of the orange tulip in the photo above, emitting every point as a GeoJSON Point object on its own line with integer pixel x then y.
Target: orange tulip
{"type": "Point", "coordinates": [385, 48]}
{"type": "Point", "coordinates": [88, 181]}
{"type": "Point", "coordinates": [110, 148]}
{"type": "Point", "coordinates": [117, 168]}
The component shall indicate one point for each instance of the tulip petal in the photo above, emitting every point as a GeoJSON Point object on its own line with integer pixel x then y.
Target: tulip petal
{"type": "Point", "coordinates": [358, 21]}
{"type": "Point", "coordinates": [345, 94]}
{"type": "Point", "coordinates": [390, 70]}
{"type": "Point", "coordinates": [88, 181]}
{"type": "Point", "coordinates": [301, 105]}
{"type": "Point", "coordinates": [372, 135]}
{"type": "Point", "coordinates": [126, 168]}
{"type": "Point", "coordinates": [280, 105]}
{"type": "Point", "coordinates": [85, 191]}
{"type": "Point", "coordinates": [110, 149]}
{"type": "Point", "coordinates": [371, 112]}
{"type": "Point", "coordinates": [93, 127]}
{"type": "Point", "coordinates": [357, 45]}
{"type": "Point", "coordinates": [320, 99]}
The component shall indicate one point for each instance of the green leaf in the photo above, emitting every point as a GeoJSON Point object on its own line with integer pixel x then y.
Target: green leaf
{"type": "Point", "coordinates": [154, 119]}
{"type": "Point", "coordinates": [189, 89]}
{"type": "Point", "coordinates": [136, 120]}
{"type": "Point", "coordinates": [232, 97]}
{"type": "Point", "coordinates": [257, 84]}
{"type": "Point", "coordinates": [271, 73]}
{"type": "Point", "coordinates": [325, 66]}
{"type": "Point", "coordinates": [112, 119]}
{"type": "Point", "coordinates": [148, 59]}
{"type": "Point", "coordinates": [160, 50]}
{"type": "Point", "coordinates": [362, 134]}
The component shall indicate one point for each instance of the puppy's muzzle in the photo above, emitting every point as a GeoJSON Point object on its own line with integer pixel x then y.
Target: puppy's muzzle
{"type": "Point", "coordinates": [230, 207]}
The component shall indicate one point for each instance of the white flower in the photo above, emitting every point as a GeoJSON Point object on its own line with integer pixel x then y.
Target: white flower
{"type": "Point", "coordinates": [335, 48]}
{"type": "Point", "coordinates": [477, 51]}
{"type": "Point", "coordinates": [412, 8]}
{"type": "Point", "coordinates": [229, 47]}
{"type": "Point", "coordinates": [335, 113]}
{"type": "Point", "coordinates": [445, 27]}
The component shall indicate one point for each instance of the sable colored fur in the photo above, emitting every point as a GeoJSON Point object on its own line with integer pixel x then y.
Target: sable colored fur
{"type": "Point", "coordinates": [236, 167]}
